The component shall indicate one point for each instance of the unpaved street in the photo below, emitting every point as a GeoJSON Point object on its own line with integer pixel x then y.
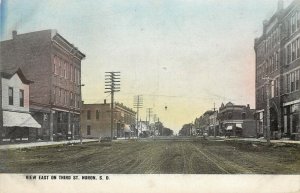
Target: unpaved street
{"type": "Point", "coordinates": [155, 157]}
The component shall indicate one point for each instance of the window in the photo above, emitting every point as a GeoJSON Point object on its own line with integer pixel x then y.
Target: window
{"type": "Point", "coordinates": [294, 51]}
{"type": "Point", "coordinates": [66, 97]}
{"type": "Point", "coordinates": [62, 66]}
{"type": "Point", "coordinates": [243, 115]}
{"type": "Point", "coordinates": [288, 83]}
{"type": "Point", "coordinates": [54, 94]}
{"type": "Point", "coordinates": [289, 52]}
{"type": "Point", "coordinates": [10, 96]}
{"type": "Point", "coordinates": [88, 130]}
{"type": "Point", "coordinates": [71, 99]}
{"type": "Point", "coordinates": [298, 47]}
{"type": "Point", "coordinates": [297, 79]}
{"type": "Point", "coordinates": [277, 87]}
{"type": "Point", "coordinates": [276, 61]}
{"type": "Point", "coordinates": [97, 114]}
{"type": "Point", "coordinates": [65, 70]}
{"type": "Point", "coordinates": [292, 82]}
{"type": "Point", "coordinates": [71, 72]}
{"type": "Point", "coordinates": [272, 89]}
{"type": "Point", "coordinates": [298, 19]}
{"type": "Point", "coordinates": [293, 23]}
{"type": "Point", "coordinates": [229, 115]}
{"type": "Point", "coordinates": [21, 96]}
{"type": "Point", "coordinates": [88, 115]}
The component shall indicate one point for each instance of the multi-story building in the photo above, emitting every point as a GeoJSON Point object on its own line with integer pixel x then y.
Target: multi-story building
{"type": "Point", "coordinates": [17, 123]}
{"type": "Point", "coordinates": [96, 120]}
{"type": "Point", "coordinates": [54, 64]}
{"type": "Point", "coordinates": [202, 124]}
{"type": "Point", "coordinates": [213, 124]}
{"type": "Point", "coordinates": [278, 70]}
{"type": "Point", "coordinates": [236, 120]}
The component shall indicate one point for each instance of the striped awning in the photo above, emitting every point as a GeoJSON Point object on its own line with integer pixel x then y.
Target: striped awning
{"type": "Point", "coordinates": [16, 119]}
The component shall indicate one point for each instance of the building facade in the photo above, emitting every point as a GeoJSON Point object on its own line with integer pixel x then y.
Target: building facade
{"type": "Point", "coordinates": [236, 120]}
{"type": "Point", "coordinates": [278, 72]}
{"type": "Point", "coordinates": [54, 64]}
{"type": "Point", "coordinates": [213, 124]}
{"type": "Point", "coordinates": [96, 120]}
{"type": "Point", "coordinates": [17, 123]}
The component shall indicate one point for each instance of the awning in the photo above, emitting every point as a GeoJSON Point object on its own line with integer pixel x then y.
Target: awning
{"type": "Point", "coordinates": [229, 127]}
{"type": "Point", "coordinates": [126, 128]}
{"type": "Point", "coordinates": [239, 125]}
{"type": "Point", "coordinates": [15, 119]}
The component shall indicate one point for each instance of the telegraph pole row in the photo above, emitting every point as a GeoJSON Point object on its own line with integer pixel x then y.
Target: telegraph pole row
{"type": "Point", "coordinates": [112, 85]}
{"type": "Point", "coordinates": [137, 103]}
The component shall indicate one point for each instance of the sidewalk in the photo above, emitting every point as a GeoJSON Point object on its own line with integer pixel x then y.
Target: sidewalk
{"type": "Point", "coordinates": [44, 143]}
{"type": "Point", "coordinates": [261, 140]}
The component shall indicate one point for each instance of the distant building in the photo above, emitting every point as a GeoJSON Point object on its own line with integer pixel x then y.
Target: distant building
{"type": "Point", "coordinates": [237, 120]}
{"type": "Point", "coordinates": [213, 124]}
{"type": "Point", "coordinates": [96, 120]}
{"type": "Point", "coordinates": [278, 58]}
{"type": "Point", "coordinates": [17, 123]}
{"type": "Point", "coordinates": [202, 124]}
{"type": "Point", "coordinates": [54, 64]}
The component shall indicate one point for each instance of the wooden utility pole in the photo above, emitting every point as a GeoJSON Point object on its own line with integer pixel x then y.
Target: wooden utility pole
{"type": "Point", "coordinates": [112, 85]}
{"type": "Point", "coordinates": [138, 103]}
{"type": "Point", "coordinates": [268, 80]}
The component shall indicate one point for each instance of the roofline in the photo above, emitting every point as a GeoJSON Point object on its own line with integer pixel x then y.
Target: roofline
{"type": "Point", "coordinates": [8, 75]}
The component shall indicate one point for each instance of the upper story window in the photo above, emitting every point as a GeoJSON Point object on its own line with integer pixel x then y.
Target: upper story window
{"type": "Point", "coordinates": [55, 65]}
{"type": "Point", "coordinates": [21, 96]}
{"type": "Point", "coordinates": [10, 95]}
{"type": "Point", "coordinates": [289, 53]}
{"type": "Point", "coordinates": [293, 23]}
{"type": "Point", "coordinates": [243, 115]}
{"type": "Point", "coordinates": [229, 115]}
{"type": "Point", "coordinates": [65, 70]}
{"type": "Point", "coordinates": [71, 72]}
{"type": "Point", "coordinates": [97, 114]}
{"type": "Point", "coordinates": [88, 115]}
{"type": "Point", "coordinates": [298, 19]}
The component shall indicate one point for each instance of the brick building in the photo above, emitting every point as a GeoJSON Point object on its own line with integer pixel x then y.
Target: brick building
{"type": "Point", "coordinates": [54, 64]}
{"type": "Point", "coordinates": [236, 120]}
{"type": "Point", "coordinates": [96, 120]}
{"type": "Point", "coordinates": [278, 59]}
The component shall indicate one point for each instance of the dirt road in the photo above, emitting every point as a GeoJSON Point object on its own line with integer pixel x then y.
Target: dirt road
{"type": "Point", "coordinates": [155, 157]}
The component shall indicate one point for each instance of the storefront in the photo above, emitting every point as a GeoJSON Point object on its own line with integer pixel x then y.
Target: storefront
{"type": "Point", "coordinates": [291, 119]}
{"type": "Point", "coordinates": [19, 127]}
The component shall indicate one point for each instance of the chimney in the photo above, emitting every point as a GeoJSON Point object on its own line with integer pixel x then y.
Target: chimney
{"type": "Point", "coordinates": [280, 5]}
{"type": "Point", "coordinates": [104, 101]}
{"type": "Point", "coordinates": [14, 34]}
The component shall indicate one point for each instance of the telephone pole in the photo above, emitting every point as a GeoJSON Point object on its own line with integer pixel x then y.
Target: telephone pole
{"type": "Point", "coordinates": [112, 85]}
{"type": "Point", "coordinates": [148, 114]}
{"type": "Point", "coordinates": [268, 81]}
{"type": "Point", "coordinates": [137, 103]}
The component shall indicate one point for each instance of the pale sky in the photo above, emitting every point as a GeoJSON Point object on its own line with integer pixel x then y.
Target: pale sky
{"type": "Point", "coordinates": [186, 55]}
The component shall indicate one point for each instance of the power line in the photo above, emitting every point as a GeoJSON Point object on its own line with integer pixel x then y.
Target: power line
{"type": "Point", "coordinates": [137, 103]}
{"type": "Point", "coordinates": [112, 85]}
